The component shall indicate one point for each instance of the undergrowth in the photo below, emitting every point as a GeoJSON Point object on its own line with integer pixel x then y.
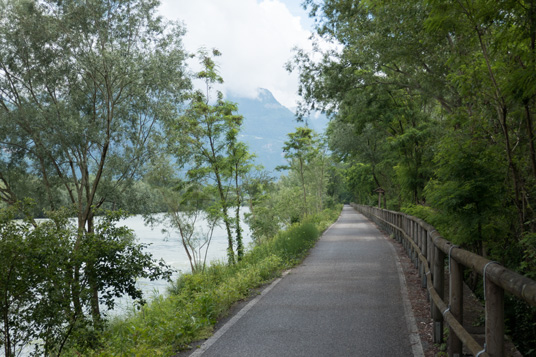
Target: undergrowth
{"type": "Point", "coordinates": [168, 324]}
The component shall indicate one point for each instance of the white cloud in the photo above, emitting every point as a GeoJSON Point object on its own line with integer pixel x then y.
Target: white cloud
{"type": "Point", "coordinates": [256, 39]}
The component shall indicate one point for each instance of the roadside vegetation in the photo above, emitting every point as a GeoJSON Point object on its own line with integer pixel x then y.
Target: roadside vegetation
{"type": "Point", "coordinates": [433, 102]}
{"type": "Point", "coordinates": [195, 302]}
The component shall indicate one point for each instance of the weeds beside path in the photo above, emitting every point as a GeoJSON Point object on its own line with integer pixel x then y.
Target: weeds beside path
{"type": "Point", "coordinates": [169, 324]}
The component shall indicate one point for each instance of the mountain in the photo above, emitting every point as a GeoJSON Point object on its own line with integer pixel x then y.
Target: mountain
{"type": "Point", "coordinates": [266, 125]}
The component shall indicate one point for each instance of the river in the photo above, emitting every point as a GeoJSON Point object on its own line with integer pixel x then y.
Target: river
{"type": "Point", "coordinates": [167, 246]}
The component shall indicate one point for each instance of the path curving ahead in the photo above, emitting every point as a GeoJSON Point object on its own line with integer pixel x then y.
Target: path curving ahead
{"type": "Point", "coordinates": [345, 299]}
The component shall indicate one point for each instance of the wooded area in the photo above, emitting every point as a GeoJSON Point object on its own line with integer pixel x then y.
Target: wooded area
{"type": "Point", "coordinates": [434, 102]}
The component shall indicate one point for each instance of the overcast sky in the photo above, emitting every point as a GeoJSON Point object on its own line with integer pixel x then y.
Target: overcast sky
{"type": "Point", "coordinates": [256, 38]}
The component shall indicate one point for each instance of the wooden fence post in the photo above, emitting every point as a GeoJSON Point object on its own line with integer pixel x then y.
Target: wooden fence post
{"type": "Point", "coordinates": [419, 237]}
{"type": "Point", "coordinates": [400, 225]}
{"type": "Point", "coordinates": [494, 319]}
{"type": "Point", "coordinates": [415, 236]}
{"type": "Point", "coordinates": [410, 234]}
{"type": "Point", "coordinates": [439, 281]}
{"type": "Point", "coordinates": [421, 267]}
{"type": "Point", "coordinates": [456, 305]}
{"type": "Point", "coordinates": [404, 229]}
{"type": "Point", "coordinates": [425, 243]}
{"type": "Point", "coordinates": [430, 251]}
{"type": "Point", "coordinates": [425, 253]}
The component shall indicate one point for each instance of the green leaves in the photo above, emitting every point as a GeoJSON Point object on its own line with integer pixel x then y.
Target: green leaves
{"type": "Point", "coordinates": [94, 78]}
{"type": "Point", "coordinates": [207, 146]}
{"type": "Point", "coordinates": [436, 101]}
{"type": "Point", "coordinates": [85, 89]}
{"type": "Point", "coordinates": [118, 260]}
{"type": "Point", "coordinates": [40, 261]}
{"type": "Point", "coordinates": [308, 165]}
{"type": "Point", "coordinates": [468, 187]}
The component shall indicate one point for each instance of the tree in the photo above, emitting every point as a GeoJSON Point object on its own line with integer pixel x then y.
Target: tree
{"type": "Point", "coordinates": [468, 190]}
{"type": "Point", "coordinates": [496, 79]}
{"type": "Point", "coordinates": [464, 61]}
{"type": "Point", "coordinates": [262, 218]}
{"type": "Point", "coordinates": [207, 135]}
{"type": "Point", "coordinates": [298, 152]}
{"type": "Point", "coordinates": [36, 277]}
{"type": "Point", "coordinates": [319, 163]}
{"type": "Point", "coordinates": [188, 204]}
{"type": "Point", "coordinates": [15, 272]}
{"type": "Point", "coordinates": [83, 86]}
{"type": "Point", "coordinates": [308, 164]}
{"type": "Point", "coordinates": [240, 160]}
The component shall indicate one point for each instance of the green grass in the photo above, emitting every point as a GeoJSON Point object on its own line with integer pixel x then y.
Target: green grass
{"type": "Point", "coordinates": [196, 302]}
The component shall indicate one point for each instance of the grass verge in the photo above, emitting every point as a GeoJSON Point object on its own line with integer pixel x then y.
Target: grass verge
{"type": "Point", "coordinates": [194, 304]}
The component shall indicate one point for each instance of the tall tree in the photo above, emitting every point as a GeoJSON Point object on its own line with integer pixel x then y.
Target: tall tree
{"type": "Point", "coordinates": [382, 84]}
{"type": "Point", "coordinates": [496, 78]}
{"type": "Point", "coordinates": [83, 86]}
{"type": "Point", "coordinates": [209, 149]}
{"type": "Point", "coordinates": [308, 164]}
{"type": "Point", "coordinates": [241, 165]}
{"type": "Point", "coordinates": [298, 151]}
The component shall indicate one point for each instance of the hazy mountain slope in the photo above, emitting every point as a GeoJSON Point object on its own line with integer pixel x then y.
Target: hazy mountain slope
{"type": "Point", "coordinates": [266, 125]}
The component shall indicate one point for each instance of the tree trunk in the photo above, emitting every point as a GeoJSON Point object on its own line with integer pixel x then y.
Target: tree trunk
{"type": "Point", "coordinates": [530, 132]}
{"type": "Point", "coordinates": [502, 112]}
{"type": "Point", "coordinates": [183, 240]}
{"type": "Point", "coordinates": [303, 186]}
{"type": "Point", "coordinates": [75, 282]}
{"type": "Point", "coordinates": [92, 278]}
{"type": "Point", "coordinates": [239, 243]}
{"type": "Point", "coordinates": [226, 219]}
{"type": "Point", "coordinates": [7, 335]}
{"type": "Point", "coordinates": [513, 168]}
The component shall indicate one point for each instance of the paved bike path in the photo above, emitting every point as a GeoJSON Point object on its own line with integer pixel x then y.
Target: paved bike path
{"type": "Point", "coordinates": [345, 299]}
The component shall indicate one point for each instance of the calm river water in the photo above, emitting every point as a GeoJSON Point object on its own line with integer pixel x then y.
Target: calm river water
{"type": "Point", "coordinates": [167, 246]}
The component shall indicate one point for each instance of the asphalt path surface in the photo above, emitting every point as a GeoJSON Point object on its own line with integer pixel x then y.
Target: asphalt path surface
{"type": "Point", "coordinates": [345, 299]}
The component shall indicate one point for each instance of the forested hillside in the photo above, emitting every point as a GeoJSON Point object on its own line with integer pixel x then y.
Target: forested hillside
{"type": "Point", "coordinates": [434, 102]}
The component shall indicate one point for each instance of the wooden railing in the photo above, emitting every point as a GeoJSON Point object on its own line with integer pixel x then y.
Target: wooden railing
{"type": "Point", "coordinates": [428, 251]}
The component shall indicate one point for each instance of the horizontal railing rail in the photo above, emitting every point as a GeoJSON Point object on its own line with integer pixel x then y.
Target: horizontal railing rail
{"type": "Point", "coordinates": [428, 251]}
